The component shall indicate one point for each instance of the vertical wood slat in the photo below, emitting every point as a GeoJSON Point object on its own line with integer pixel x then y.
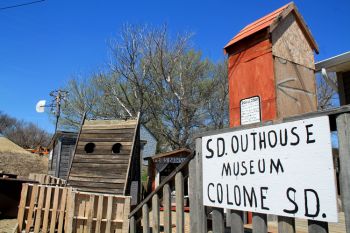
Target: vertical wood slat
{"type": "Point", "coordinates": [343, 126]}
{"type": "Point", "coordinates": [167, 208]}
{"type": "Point", "coordinates": [155, 214]}
{"type": "Point", "coordinates": [236, 221]}
{"type": "Point", "coordinates": [38, 219]}
{"type": "Point", "coordinates": [120, 213]}
{"type": "Point", "coordinates": [109, 213]}
{"type": "Point", "coordinates": [145, 219]}
{"type": "Point", "coordinates": [200, 208]}
{"type": "Point", "coordinates": [259, 223]}
{"type": "Point", "coordinates": [62, 210]}
{"type": "Point", "coordinates": [33, 200]}
{"type": "Point", "coordinates": [127, 202]}
{"type": "Point", "coordinates": [192, 196]}
{"type": "Point", "coordinates": [47, 209]}
{"type": "Point", "coordinates": [179, 188]}
{"type": "Point", "coordinates": [99, 214]}
{"type": "Point", "coordinates": [317, 227]}
{"type": "Point", "coordinates": [218, 220]}
{"type": "Point", "coordinates": [286, 224]}
{"type": "Point", "coordinates": [54, 210]}
{"type": "Point", "coordinates": [70, 211]}
{"type": "Point", "coordinates": [90, 213]}
{"type": "Point", "coordinates": [22, 206]}
{"type": "Point", "coordinates": [132, 225]}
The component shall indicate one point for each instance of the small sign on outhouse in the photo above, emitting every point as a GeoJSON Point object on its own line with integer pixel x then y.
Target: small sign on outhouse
{"type": "Point", "coordinates": [271, 68]}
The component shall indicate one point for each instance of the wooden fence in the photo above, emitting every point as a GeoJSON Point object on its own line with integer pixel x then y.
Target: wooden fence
{"type": "Point", "coordinates": [46, 208]}
{"type": "Point", "coordinates": [47, 179]}
{"type": "Point", "coordinates": [203, 219]}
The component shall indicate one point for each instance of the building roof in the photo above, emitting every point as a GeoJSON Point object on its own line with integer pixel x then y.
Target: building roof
{"type": "Point", "coordinates": [173, 153]}
{"type": "Point", "coordinates": [59, 134]}
{"type": "Point", "coordinates": [270, 22]}
{"type": "Point", "coordinates": [339, 63]}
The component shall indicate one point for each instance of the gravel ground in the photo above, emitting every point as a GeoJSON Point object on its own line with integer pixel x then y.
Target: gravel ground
{"type": "Point", "coordinates": [7, 225]}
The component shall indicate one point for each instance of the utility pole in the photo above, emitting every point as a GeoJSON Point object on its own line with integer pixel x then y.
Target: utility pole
{"type": "Point", "coordinates": [58, 96]}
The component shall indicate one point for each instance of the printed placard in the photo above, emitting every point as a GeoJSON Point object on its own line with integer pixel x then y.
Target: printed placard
{"type": "Point", "coordinates": [250, 110]}
{"type": "Point", "coordinates": [284, 169]}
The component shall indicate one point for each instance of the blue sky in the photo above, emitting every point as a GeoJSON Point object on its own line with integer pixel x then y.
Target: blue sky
{"type": "Point", "coordinates": [43, 45]}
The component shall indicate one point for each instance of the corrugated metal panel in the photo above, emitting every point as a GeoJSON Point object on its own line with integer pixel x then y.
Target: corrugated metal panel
{"type": "Point", "coordinates": [252, 71]}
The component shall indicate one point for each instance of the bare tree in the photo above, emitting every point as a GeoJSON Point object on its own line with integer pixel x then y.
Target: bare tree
{"type": "Point", "coordinates": [326, 90]}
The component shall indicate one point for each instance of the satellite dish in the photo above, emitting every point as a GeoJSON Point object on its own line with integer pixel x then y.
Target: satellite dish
{"type": "Point", "coordinates": [40, 106]}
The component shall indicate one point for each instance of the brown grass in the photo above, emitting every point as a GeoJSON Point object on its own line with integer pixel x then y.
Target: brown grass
{"type": "Point", "coordinates": [23, 164]}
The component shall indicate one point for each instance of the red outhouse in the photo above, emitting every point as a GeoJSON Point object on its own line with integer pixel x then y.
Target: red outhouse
{"type": "Point", "coordinates": [271, 68]}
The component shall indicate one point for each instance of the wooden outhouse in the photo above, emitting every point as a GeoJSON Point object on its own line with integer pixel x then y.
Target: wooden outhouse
{"type": "Point", "coordinates": [61, 152]}
{"type": "Point", "coordinates": [271, 68]}
{"type": "Point", "coordinates": [107, 157]}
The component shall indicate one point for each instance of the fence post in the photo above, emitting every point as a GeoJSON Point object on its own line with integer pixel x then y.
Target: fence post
{"type": "Point", "coordinates": [155, 214]}
{"type": "Point", "coordinates": [259, 223]}
{"type": "Point", "coordinates": [167, 208]}
{"type": "Point", "coordinates": [179, 187]}
{"type": "Point", "coordinates": [286, 224]}
{"type": "Point", "coordinates": [218, 220]}
{"type": "Point", "coordinates": [236, 221]}
{"type": "Point", "coordinates": [202, 217]}
{"type": "Point", "coordinates": [192, 195]}
{"type": "Point", "coordinates": [145, 219]}
{"type": "Point", "coordinates": [132, 224]}
{"type": "Point", "coordinates": [317, 226]}
{"type": "Point", "coordinates": [343, 127]}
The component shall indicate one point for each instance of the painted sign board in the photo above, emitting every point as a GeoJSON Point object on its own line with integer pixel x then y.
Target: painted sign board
{"type": "Point", "coordinates": [170, 160]}
{"type": "Point", "coordinates": [284, 169]}
{"type": "Point", "coordinates": [250, 110]}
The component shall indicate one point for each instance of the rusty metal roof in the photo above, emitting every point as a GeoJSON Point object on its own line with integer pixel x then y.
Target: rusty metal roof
{"type": "Point", "coordinates": [272, 20]}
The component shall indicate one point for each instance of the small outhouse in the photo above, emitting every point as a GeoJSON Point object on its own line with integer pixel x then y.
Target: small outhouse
{"type": "Point", "coordinates": [107, 158]}
{"type": "Point", "coordinates": [271, 68]}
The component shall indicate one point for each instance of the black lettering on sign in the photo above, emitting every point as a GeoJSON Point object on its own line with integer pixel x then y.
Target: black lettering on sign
{"type": "Point", "coordinates": [285, 142]}
{"type": "Point", "coordinates": [261, 165]}
{"type": "Point", "coordinates": [297, 139]}
{"type": "Point", "coordinates": [226, 167]}
{"type": "Point", "coordinates": [263, 197]}
{"type": "Point", "coordinates": [308, 134]}
{"type": "Point", "coordinates": [218, 147]}
{"type": "Point", "coordinates": [210, 150]}
{"type": "Point", "coordinates": [234, 145]}
{"type": "Point", "coordinates": [228, 196]}
{"type": "Point", "coordinates": [262, 140]}
{"type": "Point", "coordinates": [219, 192]}
{"type": "Point", "coordinates": [292, 200]}
{"type": "Point", "coordinates": [275, 166]}
{"type": "Point", "coordinates": [250, 197]}
{"type": "Point", "coordinates": [237, 195]}
{"type": "Point", "coordinates": [245, 169]}
{"type": "Point", "coordinates": [244, 149]}
{"type": "Point", "coordinates": [251, 167]}
{"type": "Point", "coordinates": [254, 141]}
{"type": "Point", "coordinates": [307, 214]}
{"type": "Point", "coordinates": [210, 184]}
{"type": "Point", "coordinates": [272, 136]}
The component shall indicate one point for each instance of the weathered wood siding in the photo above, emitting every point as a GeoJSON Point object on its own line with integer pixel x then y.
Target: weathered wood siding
{"type": "Point", "coordinates": [102, 170]}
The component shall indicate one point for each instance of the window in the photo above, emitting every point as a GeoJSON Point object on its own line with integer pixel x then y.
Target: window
{"type": "Point", "coordinates": [116, 148]}
{"type": "Point", "coordinates": [89, 148]}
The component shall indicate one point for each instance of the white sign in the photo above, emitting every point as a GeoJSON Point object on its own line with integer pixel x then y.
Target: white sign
{"type": "Point", "coordinates": [250, 110]}
{"type": "Point", "coordinates": [284, 169]}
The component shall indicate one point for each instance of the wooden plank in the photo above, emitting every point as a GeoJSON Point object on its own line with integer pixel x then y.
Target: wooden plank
{"type": "Point", "coordinates": [120, 212]}
{"type": "Point", "coordinates": [33, 200]}
{"type": "Point", "coordinates": [192, 196]}
{"type": "Point", "coordinates": [21, 207]}
{"type": "Point", "coordinates": [202, 217]}
{"type": "Point", "coordinates": [108, 131]}
{"type": "Point", "coordinates": [127, 202]}
{"type": "Point", "coordinates": [109, 213]}
{"type": "Point", "coordinates": [54, 210]}
{"type": "Point", "coordinates": [286, 224]}
{"type": "Point", "coordinates": [99, 166]}
{"type": "Point", "coordinates": [343, 125]}
{"type": "Point", "coordinates": [317, 227]}
{"type": "Point", "coordinates": [105, 139]}
{"type": "Point", "coordinates": [179, 189]}
{"type": "Point", "coordinates": [47, 209]}
{"type": "Point", "coordinates": [236, 221]}
{"type": "Point", "coordinates": [218, 220]}
{"type": "Point", "coordinates": [259, 223]}
{"type": "Point", "coordinates": [70, 211]}
{"type": "Point", "coordinates": [145, 219]}
{"type": "Point", "coordinates": [37, 223]}
{"type": "Point", "coordinates": [62, 211]}
{"type": "Point", "coordinates": [90, 213]}
{"type": "Point", "coordinates": [155, 214]}
{"type": "Point", "coordinates": [99, 214]}
{"type": "Point", "coordinates": [167, 208]}
{"type": "Point", "coordinates": [132, 225]}
{"type": "Point", "coordinates": [96, 156]}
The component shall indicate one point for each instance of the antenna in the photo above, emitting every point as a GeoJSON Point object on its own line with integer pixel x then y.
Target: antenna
{"type": "Point", "coordinates": [57, 97]}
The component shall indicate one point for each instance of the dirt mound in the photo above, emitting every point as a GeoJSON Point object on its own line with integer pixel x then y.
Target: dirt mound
{"type": "Point", "coordinates": [7, 146]}
{"type": "Point", "coordinates": [23, 164]}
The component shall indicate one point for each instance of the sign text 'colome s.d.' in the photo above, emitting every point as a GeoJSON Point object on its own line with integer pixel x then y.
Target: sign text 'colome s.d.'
{"type": "Point", "coordinates": [284, 169]}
